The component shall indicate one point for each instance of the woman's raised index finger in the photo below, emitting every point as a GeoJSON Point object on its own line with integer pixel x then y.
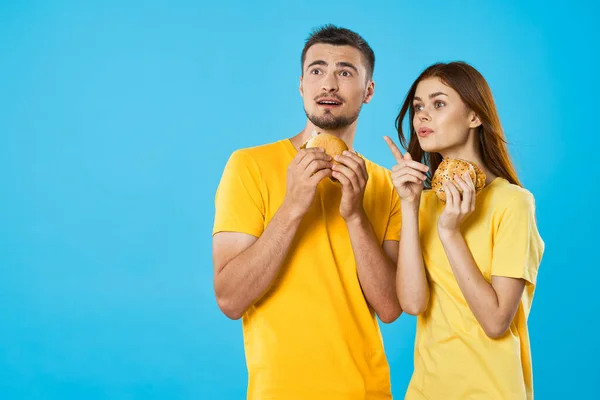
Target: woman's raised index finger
{"type": "Point", "coordinates": [395, 150]}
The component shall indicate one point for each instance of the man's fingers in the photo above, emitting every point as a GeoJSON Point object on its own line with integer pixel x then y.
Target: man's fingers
{"type": "Point", "coordinates": [359, 161]}
{"type": "Point", "coordinates": [311, 155]}
{"type": "Point", "coordinates": [303, 152]}
{"type": "Point", "coordinates": [320, 175]}
{"type": "Point", "coordinates": [346, 183]}
{"type": "Point", "coordinates": [316, 165]}
{"type": "Point", "coordinates": [348, 173]}
{"type": "Point", "coordinates": [353, 162]}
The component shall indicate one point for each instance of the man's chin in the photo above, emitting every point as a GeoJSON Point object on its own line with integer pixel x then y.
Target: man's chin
{"type": "Point", "coordinates": [329, 121]}
{"type": "Point", "coordinates": [331, 124]}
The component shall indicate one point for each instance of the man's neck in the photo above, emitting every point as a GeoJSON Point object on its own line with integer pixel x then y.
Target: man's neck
{"type": "Point", "coordinates": [346, 134]}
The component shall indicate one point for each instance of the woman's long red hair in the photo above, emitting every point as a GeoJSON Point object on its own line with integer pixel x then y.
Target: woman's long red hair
{"type": "Point", "coordinates": [476, 94]}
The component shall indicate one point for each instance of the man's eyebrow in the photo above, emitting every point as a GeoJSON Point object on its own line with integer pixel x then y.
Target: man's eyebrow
{"type": "Point", "coordinates": [339, 64]}
{"type": "Point", "coordinates": [316, 62]}
{"type": "Point", "coordinates": [431, 96]}
{"type": "Point", "coordinates": [347, 64]}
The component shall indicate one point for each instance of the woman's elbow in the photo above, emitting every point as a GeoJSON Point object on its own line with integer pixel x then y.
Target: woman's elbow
{"type": "Point", "coordinates": [414, 307]}
{"type": "Point", "coordinates": [495, 329]}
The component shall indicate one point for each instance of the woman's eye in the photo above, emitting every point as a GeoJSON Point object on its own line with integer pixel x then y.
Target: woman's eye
{"type": "Point", "coordinates": [418, 107]}
{"type": "Point", "coordinates": [439, 104]}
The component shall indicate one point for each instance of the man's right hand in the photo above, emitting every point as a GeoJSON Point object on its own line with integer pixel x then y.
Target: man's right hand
{"type": "Point", "coordinates": [307, 169]}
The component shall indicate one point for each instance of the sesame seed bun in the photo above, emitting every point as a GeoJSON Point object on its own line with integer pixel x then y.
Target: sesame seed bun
{"type": "Point", "coordinates": [450, 166]}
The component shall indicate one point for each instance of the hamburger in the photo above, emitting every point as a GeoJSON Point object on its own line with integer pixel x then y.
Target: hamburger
{"type": "Point", "coordinates": [451, 166]}
{"type": "Point", "coordinates": [333, 145]}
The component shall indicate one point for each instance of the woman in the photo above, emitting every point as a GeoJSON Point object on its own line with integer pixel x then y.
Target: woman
{"type": "Point", "coordinates": [466, 267]}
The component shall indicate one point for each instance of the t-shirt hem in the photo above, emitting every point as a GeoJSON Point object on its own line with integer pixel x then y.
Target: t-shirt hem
{"type": "Point", "coordinates": [249, 231]}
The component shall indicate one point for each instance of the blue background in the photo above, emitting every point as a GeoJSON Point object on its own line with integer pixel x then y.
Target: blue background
{"type": "Point", "coordinates": [116, 119]}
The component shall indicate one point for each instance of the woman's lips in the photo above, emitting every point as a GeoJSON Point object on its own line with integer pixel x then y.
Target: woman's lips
{"type": "Point", "coordinates": [424, 132]}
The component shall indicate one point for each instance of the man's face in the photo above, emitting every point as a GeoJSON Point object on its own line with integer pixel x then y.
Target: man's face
{"type": "Point", "coordinates": [334, 85]}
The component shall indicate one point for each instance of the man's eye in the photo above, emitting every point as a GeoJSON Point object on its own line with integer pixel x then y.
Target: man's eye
{"type": "Point", "coordinates": [345, 73]}
{"type": "Point", "coordinates": [315, 71]}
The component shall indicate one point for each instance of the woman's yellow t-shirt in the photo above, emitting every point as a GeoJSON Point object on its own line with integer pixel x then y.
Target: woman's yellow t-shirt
{"type": "Point", "coordinates": [454, 358]}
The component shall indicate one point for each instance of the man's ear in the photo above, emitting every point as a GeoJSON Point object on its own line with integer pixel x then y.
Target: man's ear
{"type": "Point", "coordinates": [301, 88]}
{"type": "Point", "coordinates": [369, 91]}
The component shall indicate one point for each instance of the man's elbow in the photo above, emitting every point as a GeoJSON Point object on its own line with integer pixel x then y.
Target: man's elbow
{"type": "Point", "coordinates": [388, 318]}
{"type": "Point", "coordinates": [229, 309]}
{"type": "Point", "coordinates": [389, 315]}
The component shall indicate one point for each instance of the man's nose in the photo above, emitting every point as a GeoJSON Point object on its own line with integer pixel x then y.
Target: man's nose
{"type": "Point", "coordinates": [330, 83]}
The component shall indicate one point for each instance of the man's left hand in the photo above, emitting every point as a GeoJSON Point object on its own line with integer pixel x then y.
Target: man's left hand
{"type": "Point", "coordinates": [351, 172]}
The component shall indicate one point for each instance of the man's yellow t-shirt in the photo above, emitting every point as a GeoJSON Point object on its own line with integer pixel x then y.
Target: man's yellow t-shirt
{"type": "Point", "coordinates": [313, 335]}
{"type": "Point", "coordinates": [454, 359]}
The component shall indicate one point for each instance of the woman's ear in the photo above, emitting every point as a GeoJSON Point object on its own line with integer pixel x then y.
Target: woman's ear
{"type": "Point", "coordinates": [474, 120]}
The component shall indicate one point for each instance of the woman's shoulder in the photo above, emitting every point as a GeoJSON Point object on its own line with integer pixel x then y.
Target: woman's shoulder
{"type": "Point", "coordinates": [502, 188]}
{"type": "Point", "coordinates": [500, 195]}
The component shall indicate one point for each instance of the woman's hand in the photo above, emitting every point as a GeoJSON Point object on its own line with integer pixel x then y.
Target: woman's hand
{"type": "Point", "coordinates": [407, 175]}
{"type": "Point", "coordinates": [457, 207]}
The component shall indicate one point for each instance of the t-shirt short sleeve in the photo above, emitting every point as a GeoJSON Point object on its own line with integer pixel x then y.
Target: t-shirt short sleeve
{"type": "Point", "coordinates": [239, 205]}
{"type": "Point", "coordinates": [392, 231]}
{"type": "Point", "coordinates": [518, 247]}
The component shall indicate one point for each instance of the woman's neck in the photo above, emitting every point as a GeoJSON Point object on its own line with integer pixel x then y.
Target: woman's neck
{"type": "Point", "coordinates": [472, 155]}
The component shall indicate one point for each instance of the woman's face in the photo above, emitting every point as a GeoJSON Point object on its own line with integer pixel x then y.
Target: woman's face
{"type": "Point", "coordinates": [442, 120]}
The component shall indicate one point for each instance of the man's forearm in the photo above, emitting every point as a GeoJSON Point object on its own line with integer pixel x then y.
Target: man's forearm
{"type": "Point", "coordinates": [247, 277]}
{"type": "Point", "coordinates": [376, 272]}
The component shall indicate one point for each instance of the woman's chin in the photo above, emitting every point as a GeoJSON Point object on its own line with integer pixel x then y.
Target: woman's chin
{"type": "Point", "coordinates": [430, 147]}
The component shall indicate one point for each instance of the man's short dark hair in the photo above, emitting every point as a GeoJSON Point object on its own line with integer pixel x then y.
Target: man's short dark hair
{"type": "Point", "coordinates": [331, 34]}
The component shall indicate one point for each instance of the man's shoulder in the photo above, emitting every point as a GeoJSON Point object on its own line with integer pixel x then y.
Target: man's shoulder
{"type": "Point", "coordinates": [261, 161]}
{"type": "Point", "coordinates": [260, 151]}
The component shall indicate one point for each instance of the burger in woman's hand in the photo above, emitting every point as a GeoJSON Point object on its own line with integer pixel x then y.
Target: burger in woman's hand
{"type": "Point", "coordinates": [452, 166]}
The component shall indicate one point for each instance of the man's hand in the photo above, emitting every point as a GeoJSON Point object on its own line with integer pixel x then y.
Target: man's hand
{"type": "Point", "coordinates": [307, 169]}
{"type": "Point", "coordinates": [352, 174]}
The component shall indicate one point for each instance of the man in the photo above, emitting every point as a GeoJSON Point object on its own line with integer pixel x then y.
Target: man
{"type": "Point", "coordinates": [306, 262]}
